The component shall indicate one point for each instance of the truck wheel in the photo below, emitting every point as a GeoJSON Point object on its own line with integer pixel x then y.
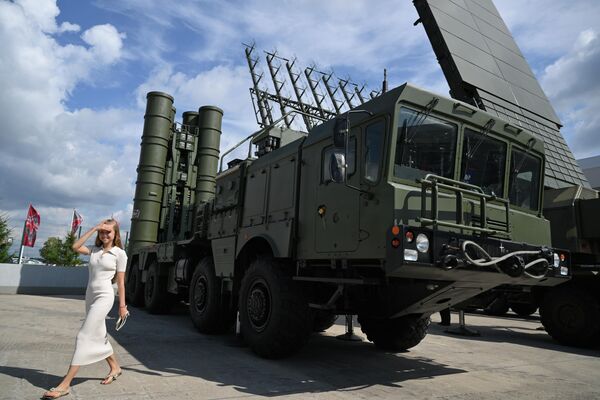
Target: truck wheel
{"type": "Point", "coordinates": [571, 315]}
{"type": "Point", "coordinates": [396, 334]}
{"type": "Point", "coordinates": [155, 291]}
{"type": "Point", "coordinates": [207, 310]}
{"type": "Point", "coordinates": [323, 320]}
{"type": "Point", "coordinates": [523, 309]}
{"type": "Point", "coordinates": [499, 306]}
{"type": "Point", "coordinates": [134, 286]}
{"type": "Point", "coordinates": [275, 320]}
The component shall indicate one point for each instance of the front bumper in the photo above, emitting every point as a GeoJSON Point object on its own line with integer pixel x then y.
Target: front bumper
{"type": "Point", "coordinates": [445, 259]}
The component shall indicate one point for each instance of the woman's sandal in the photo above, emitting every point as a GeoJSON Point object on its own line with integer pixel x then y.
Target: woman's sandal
{"type": "Point", "coordinates": [61, 393]}
{"type": "Point", "coordinates": [111, 378]}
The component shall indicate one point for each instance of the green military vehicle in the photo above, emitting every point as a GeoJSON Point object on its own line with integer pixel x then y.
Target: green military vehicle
{"type": "Point", "coordinates": [396, 209]}
{"type": "Point", "coordinates": [484, 67]}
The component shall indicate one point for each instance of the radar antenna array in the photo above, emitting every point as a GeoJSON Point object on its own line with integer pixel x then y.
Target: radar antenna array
{"type": "Point", "coordinates": [331, 95]}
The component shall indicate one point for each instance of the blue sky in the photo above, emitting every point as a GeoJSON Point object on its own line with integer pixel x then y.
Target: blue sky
{"type": "Point", "coordinates": [75, 73]}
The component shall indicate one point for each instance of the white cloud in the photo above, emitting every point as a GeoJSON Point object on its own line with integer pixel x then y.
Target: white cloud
{"type": "Point", "coordinates": [53, 157]}
{"type": "Point", "coordinates": [68, 27]}
{"type": "Point", "coordinates": [105, 41]}
{"type": "Point", "coordinates": [573, 86]}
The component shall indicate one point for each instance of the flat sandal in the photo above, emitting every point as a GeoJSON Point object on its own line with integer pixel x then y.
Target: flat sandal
{"type": "Point", "coordinates": [111, 378]}
{"type": "Point", "coordinates": [61, 393]}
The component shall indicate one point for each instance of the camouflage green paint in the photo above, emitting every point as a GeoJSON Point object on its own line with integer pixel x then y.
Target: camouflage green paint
{"type": "Point", "coordinates": [151, 170]}
{"type": "Point", "coordinates": [209, 139]}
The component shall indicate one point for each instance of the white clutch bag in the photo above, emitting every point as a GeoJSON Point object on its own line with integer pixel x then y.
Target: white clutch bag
{"type": "Point", "coordinates": [121, 321]}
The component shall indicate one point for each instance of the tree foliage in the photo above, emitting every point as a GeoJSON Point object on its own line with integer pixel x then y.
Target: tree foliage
{"type": "Point", "coordinates": [58, 252]}
{"type": "Point", "coordinates": [5, 241]}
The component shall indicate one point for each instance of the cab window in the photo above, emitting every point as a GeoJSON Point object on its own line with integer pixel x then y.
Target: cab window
{"type": "Point", "coordinates": [374, 137]}
{"type": "Point", "coordinates": [325, 161]}
{"type": "Point", "coordinates": [483, 162]}
{"type": "Point", "coordinates": [424, 146]}
{"type": "Point", "coordinates": [524, 180]}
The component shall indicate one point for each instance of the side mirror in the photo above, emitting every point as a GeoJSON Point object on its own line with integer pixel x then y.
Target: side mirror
{"type": "Point", "coordinates": [340, 130]}
{"type": "Point", "coordinates": [337, 167]}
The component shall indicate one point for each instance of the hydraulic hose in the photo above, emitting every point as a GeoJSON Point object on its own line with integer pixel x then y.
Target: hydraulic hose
{"type": "Point", "coordinates": [493, 261]}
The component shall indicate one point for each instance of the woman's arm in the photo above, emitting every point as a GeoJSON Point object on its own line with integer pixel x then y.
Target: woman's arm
{"type": "Point", "coordinates": [121, 293]}
{"type": "Point", "coordinates": [121, 268]}
{"type": "Point", "coordinates": [78, 246]}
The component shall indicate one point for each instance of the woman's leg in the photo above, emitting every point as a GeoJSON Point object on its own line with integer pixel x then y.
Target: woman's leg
{"type": "Point", "coordinates": [115, 369]}
{"type": "Point", "coordinates": [66, 382]}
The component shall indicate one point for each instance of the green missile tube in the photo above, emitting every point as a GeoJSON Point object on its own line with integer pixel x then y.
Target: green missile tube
{"type": "Point", "coordinates": [189, 118]}
{"type": "Point", "coordinates": [145, 218]}
{"type": "Point", "coordinates": [209, 140]}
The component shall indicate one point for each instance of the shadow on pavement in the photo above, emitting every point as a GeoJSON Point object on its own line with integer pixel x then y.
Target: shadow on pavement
{"type": "Point", "coordinates": [169, 346]}
{"type": "Point", "coordinates": [39, 378]}
{"type": "Point", "coordinates": [531, 335]}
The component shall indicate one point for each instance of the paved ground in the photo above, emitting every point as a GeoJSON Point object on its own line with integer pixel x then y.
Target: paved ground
{"type": "Point", "coordinates": [163, 357]}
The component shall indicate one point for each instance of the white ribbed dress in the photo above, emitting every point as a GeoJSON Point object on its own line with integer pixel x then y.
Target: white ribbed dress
{"type": "Point", "coordinates": [92, 340]}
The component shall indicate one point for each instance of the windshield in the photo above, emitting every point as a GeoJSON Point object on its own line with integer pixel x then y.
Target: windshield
{"type": "Point", "coordinates": [483, 162]}
{"type": "Point", "coordinates": [424, 145]}
{"type": "Point", "coordinates": [524, 180]}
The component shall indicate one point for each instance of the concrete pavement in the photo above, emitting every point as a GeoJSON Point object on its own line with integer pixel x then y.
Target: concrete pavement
{"type": "Point", "coordinates": [163, 357]}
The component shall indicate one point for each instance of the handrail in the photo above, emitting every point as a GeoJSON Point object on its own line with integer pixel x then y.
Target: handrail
{"type": "Point", "coordinates": [433, 183]}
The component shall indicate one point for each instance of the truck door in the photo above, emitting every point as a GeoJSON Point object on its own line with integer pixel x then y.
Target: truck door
{"type": "Point", "coordinates": [337, 217]}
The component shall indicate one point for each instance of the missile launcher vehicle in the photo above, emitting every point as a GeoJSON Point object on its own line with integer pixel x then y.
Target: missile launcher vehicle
{"type": "Point", "coordinates": [397, 208]}
{"type": "Point", "coordinates": [485, 68]}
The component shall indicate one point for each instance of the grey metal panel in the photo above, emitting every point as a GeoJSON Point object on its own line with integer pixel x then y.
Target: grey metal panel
{"type": "Point", "coordinates": [484, 66]}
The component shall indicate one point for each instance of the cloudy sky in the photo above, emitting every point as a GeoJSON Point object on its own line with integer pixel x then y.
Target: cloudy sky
{"type": "Point", "coordinates": [74, 75]}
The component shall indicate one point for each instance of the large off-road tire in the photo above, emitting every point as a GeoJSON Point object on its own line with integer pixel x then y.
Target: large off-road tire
{"type": "Point", "coordinates": [571, 315]}
{"type": "Point", "coordinates": [323, 320]}
{"type": "Point", "coordinates": [134, 287]}
{"type": "Point", "coordinates": [275, 320]}
{"type": "Point", "coordinates": [210, 312]}
{"type": "Point", "coordinates": [396, 334]}
{"type": "Point", "coordinates": [156, 297]}
{"type": "Point", "coordinates": [524, 309]}
{"type": "Point", "coordinates": [498, 307]}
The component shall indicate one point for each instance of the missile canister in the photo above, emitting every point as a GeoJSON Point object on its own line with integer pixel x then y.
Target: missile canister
{"type": "Point", "coordinates": [209, 139]}
{"type": "Point", "coordinates": [158, 121]}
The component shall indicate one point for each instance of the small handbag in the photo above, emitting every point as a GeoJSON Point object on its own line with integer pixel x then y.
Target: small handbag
{"type": "Point", "coordinates": [121, 321]}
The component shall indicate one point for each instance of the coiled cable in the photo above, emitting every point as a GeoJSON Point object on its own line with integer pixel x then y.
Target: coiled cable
{"type": "Point", "coordinates": [493, 261]}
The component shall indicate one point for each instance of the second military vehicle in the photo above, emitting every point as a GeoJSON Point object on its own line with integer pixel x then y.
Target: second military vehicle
{"type": "Point", "coordinates": [484, 67]}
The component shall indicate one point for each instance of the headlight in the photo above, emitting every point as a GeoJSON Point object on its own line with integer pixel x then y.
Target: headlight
{"type": "Point", "coordinates": [556, 260]}
{"type": "Point", "coordinates": [422, 243]}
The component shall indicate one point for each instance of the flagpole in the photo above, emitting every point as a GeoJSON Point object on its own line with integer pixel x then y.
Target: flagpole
{"type": "Point", "coordinates": [22, 249]}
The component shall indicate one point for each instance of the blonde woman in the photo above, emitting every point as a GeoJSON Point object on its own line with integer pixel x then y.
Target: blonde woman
{"type": "Point", "coordinates": [107, 258]}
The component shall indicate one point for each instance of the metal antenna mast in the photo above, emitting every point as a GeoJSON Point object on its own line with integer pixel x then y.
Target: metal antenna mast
{"type": "Point", "coordinates": [359, 93]}
{"type": "Point", "coordinates": [347, 96]}
{"type": "Point", "coordinates": [299, 92]}
{"type": "Point", "coordinates": [314, 89]}
{"type": "Point", "coordinates": [331, 93]}
{"type": "Point", "coordinates": [321, 86]}
{"type": "Point", "coordinates": [264, 109]}
{"type": "Point", "coordinates": [278, 85]}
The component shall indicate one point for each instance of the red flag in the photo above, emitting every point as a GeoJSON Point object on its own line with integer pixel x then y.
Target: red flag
{"type": "Point", "coordinates": [76, 222]}
{"type": "Point", "coordinates": [31, 226]}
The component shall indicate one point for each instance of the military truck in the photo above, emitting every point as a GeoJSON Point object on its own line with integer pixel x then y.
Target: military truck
{"type": "Point", "coordinates": [396, 209]}
{"type": "Point", "coordinates": [484, 67]}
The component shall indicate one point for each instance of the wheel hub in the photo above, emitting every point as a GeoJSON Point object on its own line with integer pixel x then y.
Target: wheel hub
{"type": "Point", "coordinates": [150, 286]}
{"type": "Point", "coordinates": [259, 305]}
{"type": "Point", "coordinates": [200, 295]}
{"type": "Point", "coordinates": [571, 317]}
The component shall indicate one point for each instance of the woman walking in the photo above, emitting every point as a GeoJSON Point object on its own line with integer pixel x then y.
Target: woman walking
{"type": "Point", "coordinates": [107, 259]}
